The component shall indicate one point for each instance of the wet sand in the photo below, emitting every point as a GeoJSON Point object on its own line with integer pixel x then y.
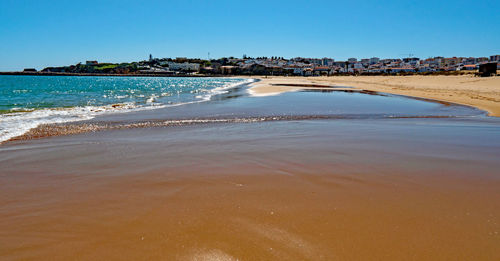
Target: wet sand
{"type": "Point", "coordinates": [482, 93]}
{"type": "Point", "coordinates": [315, 190]}
{"type": "Point", "coordinates": [365, 186]}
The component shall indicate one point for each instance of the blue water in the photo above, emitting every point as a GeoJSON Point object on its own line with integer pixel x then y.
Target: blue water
{"type": "Point", "coordinates": [38, 92]}
{"type": "Point", "coordinates": [28, 101]}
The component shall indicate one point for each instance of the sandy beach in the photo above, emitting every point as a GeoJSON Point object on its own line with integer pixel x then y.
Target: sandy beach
{"type": "Point", "coordinates": [305, 175]}
{"type": "Point", "coordinates": [482, 93]}
{"type": "Point", "coordinates": [216, 131]}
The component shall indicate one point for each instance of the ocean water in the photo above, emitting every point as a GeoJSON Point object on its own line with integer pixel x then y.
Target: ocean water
{"type": "Point", "coordinates": [28, 101]}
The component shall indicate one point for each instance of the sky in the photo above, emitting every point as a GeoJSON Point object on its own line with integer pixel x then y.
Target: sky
{"type": "Point", "coordinates": [37, 34]}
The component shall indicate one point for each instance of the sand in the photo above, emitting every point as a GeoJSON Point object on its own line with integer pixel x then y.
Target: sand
{"type": "Point", "coordinates": [263, 191]}
{"type": "Point", "coordinates": [482, 93]}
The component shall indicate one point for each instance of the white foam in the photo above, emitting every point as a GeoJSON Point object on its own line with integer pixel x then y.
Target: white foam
{"type": "Point", "coordinates": [225, 89]}
{"type": "Point", "coordinates": [18, 123]}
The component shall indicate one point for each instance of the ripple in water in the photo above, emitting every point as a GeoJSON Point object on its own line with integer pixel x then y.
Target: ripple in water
{"type": "Point", "coordinates": [29, 101]}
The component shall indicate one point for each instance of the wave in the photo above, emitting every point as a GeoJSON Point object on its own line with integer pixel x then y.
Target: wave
{"type": "Point", "coordinates": [18, 122]}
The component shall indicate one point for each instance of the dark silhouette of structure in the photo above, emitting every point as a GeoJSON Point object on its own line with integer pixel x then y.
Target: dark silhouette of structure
{"type": "Point", "coordinates": [487, 69]}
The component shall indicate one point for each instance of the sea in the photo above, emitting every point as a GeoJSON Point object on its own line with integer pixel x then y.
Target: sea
{"type": "Point", "coordinates": [29, 101]}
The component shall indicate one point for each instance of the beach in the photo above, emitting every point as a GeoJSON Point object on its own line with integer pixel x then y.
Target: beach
{"type": "Point", "coordinates": [259, 172]}
{"type": "Point", "coordinates": [214, 131]}
{"type": "Point", "coordinates": [482, 93]}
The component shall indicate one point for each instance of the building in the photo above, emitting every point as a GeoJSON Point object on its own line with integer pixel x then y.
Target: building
{"type": "Point", "coordinates": [495, 58]}
{"type": "Point", "coordinates": [321, 70]}
{"type": "Point", "coordinates": [468, 67]}
{"type": "Point", "coordinates": [327, 61]}
{"type": "Point", "coordinates": [399, 69]}
{"type": "Point", "coordinates": [426, 68]}
{"type": "Point", "coordinates": [295, 69]}
{"type": "Point", "coordinates": [450, 62]}
{"type": "Point", "coordinates": [228, 69]}
{"type": "Point", "coordinates": [183, 66]}
{"type": "Point", "coordinates": [411, 60]}
{"type": "Point", "coordinates": [482, 59]}
{"type": "Point", "coordinates": [156, 70]}
{"type": "Point", "coordinates": [358, 66]}
{"type": "Point", "coordinates": [374, 60]}
{"type": "Point", "coordinates": [488, 69]}
{"type": "Point", "coordinates": [91, 63]}
{"type": "Point", "coordinates": [470, 60]}
{"type": "Point", "coordinates": [352, 60]}
{"type": "Point", "coordinates": [308, 72]}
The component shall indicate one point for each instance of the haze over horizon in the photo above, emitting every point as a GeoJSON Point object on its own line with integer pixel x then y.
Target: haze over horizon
{"type": "Point", "coordinates": [56, 33]}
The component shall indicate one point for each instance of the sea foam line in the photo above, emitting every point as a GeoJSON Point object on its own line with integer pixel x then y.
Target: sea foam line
{"type": "Point", "coordinates": [76, 128]}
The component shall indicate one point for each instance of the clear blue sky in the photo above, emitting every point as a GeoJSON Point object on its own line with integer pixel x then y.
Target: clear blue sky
{"type": "Point", "coordinates": [53, 33]}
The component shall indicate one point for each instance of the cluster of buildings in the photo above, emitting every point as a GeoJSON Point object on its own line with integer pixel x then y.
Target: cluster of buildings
{"type": "Point", "coordinates": [314, 67]}
{"type": "Point", "coordinates": [280, 66]}
{"type": "Point", "coordinates": [170, 67]}
{"type": "Point", "coordinates": [374, 65]}
{"type": "Point", "coordinates": [166, 66]}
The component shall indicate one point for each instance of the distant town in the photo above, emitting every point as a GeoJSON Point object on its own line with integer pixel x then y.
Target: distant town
{"type": "Point", "coordinates": [182, 66]}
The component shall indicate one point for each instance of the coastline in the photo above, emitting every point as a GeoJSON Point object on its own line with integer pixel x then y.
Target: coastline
{"type": "Point", "coordinates": [308, 175]}
{"type": "Point", "coordinates": [185, 114]}
{"type": "Point", "coordinates": [249, 130]}
{"type": "Point", "coordinates": [481, 93]}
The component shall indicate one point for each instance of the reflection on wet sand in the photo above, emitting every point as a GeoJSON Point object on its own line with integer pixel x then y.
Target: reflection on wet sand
{"type": "Point", "coordinates": [51, 130]}
{"type": "Point", "coordinates": [315, 190]}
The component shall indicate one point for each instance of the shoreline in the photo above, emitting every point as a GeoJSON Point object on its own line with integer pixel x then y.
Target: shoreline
{"type": "Point", "coordinates": [85, 114]}
{"type": "Point", "coordinates": [416, 86]}
{"type": "Point", "coordinates": [297, 182]}
{"type": "Point", "coordinates": [480, 93]}
{"type": "Point", "coordinates": [102, 122]}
